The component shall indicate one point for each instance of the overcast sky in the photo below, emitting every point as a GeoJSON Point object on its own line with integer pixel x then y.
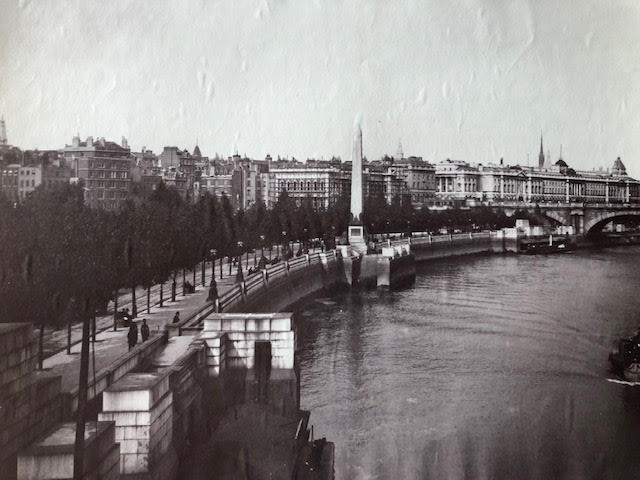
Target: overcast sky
{"type": "Point", "coordinates": [474, 80]}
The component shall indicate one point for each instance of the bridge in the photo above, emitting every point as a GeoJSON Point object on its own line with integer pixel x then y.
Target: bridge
{"type": "Point", "coordinates": [586, 218]}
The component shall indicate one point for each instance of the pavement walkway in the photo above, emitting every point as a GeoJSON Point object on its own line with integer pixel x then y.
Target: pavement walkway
{"type": "Point", "coordinates": [55, 339]}
{"type": "Point", "coordinates": [111, 345]}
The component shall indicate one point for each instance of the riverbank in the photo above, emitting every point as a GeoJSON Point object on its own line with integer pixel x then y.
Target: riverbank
{"type": "Point", "coordinates": [277, 288]}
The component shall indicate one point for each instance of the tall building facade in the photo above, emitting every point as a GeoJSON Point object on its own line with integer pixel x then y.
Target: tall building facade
{"type": "Point", "coordinates": [103, 167]}
{"type": "Point", "coordinates": [29, 178]}
{"type": "Point", "coordinates": [323, 186]}
{"type": "Point", "coordinates": [419, 177]}
{"type": "Point", "coordinates": [462, 182]}
{"type": "Point", "coordinates": [9, 182]}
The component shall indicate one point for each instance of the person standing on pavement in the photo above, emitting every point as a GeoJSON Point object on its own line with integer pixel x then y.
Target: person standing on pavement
{"type": "Point", "coordinates": [144, 330]}
{"type": "Point", "coordinates": [213, 291]}
{"type": "Point", "coordinates": [176, 317]}
{"type": "Point", "coordinates": [132, 336]}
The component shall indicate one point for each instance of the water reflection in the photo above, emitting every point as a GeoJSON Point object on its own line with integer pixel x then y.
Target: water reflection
{"type": "Point", "coordinates": [489, 367]}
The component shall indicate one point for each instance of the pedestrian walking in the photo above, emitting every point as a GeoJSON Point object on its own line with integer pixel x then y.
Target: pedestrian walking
{"type": "Point", "coordinates": [213, 291]}
{"type": "Point", "coordinates": [144, 330]}
{"type": "Point", "coordinates": [176, 317]}
{"type": "Point", "coordinates": [132, 336]}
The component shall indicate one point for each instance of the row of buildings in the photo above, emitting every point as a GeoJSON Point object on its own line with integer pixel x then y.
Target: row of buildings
{"type": "Point", "coordinates": [112, 172]}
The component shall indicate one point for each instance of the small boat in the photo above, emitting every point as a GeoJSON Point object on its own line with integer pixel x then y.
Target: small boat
{"type": "Point", "coordinates": [532, 246]}
{"type": "Point", "coordinates": [626, 360]}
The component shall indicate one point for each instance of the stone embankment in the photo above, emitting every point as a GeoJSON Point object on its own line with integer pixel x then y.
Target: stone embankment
{"type": "Point", "coordinates": [219, 380]}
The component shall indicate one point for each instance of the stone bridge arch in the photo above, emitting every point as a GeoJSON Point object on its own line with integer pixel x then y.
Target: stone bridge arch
{"type": "Point", "coordinates": [596, 219]}
{"type": "Point", "coordinates": [560, 217]}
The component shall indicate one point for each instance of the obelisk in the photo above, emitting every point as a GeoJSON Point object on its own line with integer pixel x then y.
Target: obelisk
{"type": "Point", "coordinates": [356, 230]}
{"type": "Point", "coordinates": [356, 176]}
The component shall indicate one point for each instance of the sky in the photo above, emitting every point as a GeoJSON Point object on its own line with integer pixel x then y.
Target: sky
{"type": "Point", "coordinates": [474, 80]}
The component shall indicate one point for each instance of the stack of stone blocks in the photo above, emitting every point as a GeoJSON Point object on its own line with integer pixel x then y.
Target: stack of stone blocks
{"type": "Point", "coordinates": [30, 401]}
{"type": "Point", "coordinates": [185, 374]}
{"type": "Point", "coordinates": [52, 456]}
{"type": "Point", "coordinates": [141, 405]}
{"type": "Point", "coordinates": [231, 337]}
{"type": "Point", "coordinates": [215, 345]}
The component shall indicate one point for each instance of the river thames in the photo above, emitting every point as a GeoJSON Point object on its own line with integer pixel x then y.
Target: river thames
{"type": "Point", "coordinates": [488, 367]}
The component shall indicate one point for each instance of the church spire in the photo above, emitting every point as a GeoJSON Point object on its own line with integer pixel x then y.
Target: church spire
{"type": "Point", "coordinates": [3, 132]}
{"type": "Point", "coordinates": [400, 152]}
{"type": "Point", "coordinates": [541, 154]}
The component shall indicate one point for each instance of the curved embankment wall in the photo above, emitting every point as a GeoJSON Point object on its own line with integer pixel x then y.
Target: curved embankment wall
{"type": "Point", "coordinates": [284, 284]}
{"type": "Point", "coordinates": [431, 247]}
{"type": "Point", "coordinates": [287, 283]}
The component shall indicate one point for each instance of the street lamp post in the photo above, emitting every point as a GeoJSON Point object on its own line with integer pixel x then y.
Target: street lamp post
{"type": "Point", "coordinates": [284, 238]}
{"type": "Point", "coordinates": [239, 275]}
{"type": "Point", "coordinates": [213, 253]}
{"type": "Point", "coordinates": [240, 254]}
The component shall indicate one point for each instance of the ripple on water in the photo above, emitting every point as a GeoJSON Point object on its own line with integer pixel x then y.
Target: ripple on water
{"type": "Point", "coordinates": [487, 368]}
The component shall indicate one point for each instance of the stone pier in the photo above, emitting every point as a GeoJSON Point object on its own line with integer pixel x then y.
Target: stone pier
{"type": "Point", "coordinates": [231, 339]}
{"type": "Point", "coordinates": [141, 405]}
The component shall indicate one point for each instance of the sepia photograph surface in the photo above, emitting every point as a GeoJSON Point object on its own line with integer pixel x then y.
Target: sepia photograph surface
{"type": "Point", "coordinates": [317, 240]}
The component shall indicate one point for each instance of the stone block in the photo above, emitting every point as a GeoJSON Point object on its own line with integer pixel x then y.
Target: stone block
{"type": "Point", "coordinates": [131, 432]}
{"type": "Point", "coordinates": [282, 323]}
{"type": "Point", "coordinates": [214, 361]}
{"type": "Point", "coordinates": [128, 419]}
{"type": "Point", "coordinates": [215, 351]}
{"type": "Point", "coordinates": [286, 336]}
{"type": "Point", "coordinates": [239, 362]}
{"type": "Point", "coordinates": [14, 336]}
{"type": "Point", "coordinates": [27, 414]}
{"type": "Point", "coordinates": [138, 445]}
{"type": "Point", "coordinates": [52, 456]}
{"type": "Point", "coordinates": [281, 350]}
{"type": "Point", "coordinates": [213, 339]}
{"type": "Point", "coordinates": [283, 361]}
{"type": "Point", "coordinates": [134, 463]}
{"type": "Point", "coordinates": [135, 392]}
{"type": "Point", "coordinates": [234, 324]}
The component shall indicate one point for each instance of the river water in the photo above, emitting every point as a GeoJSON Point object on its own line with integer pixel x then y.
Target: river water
{"type": "Point", "coordinates": [489, 367]}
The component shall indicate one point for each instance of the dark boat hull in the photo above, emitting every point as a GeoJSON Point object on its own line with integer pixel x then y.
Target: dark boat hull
{"type": "Point", "coordinates": [624, 363]}
{"type": "Point", "coordinates": [543, 247]}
